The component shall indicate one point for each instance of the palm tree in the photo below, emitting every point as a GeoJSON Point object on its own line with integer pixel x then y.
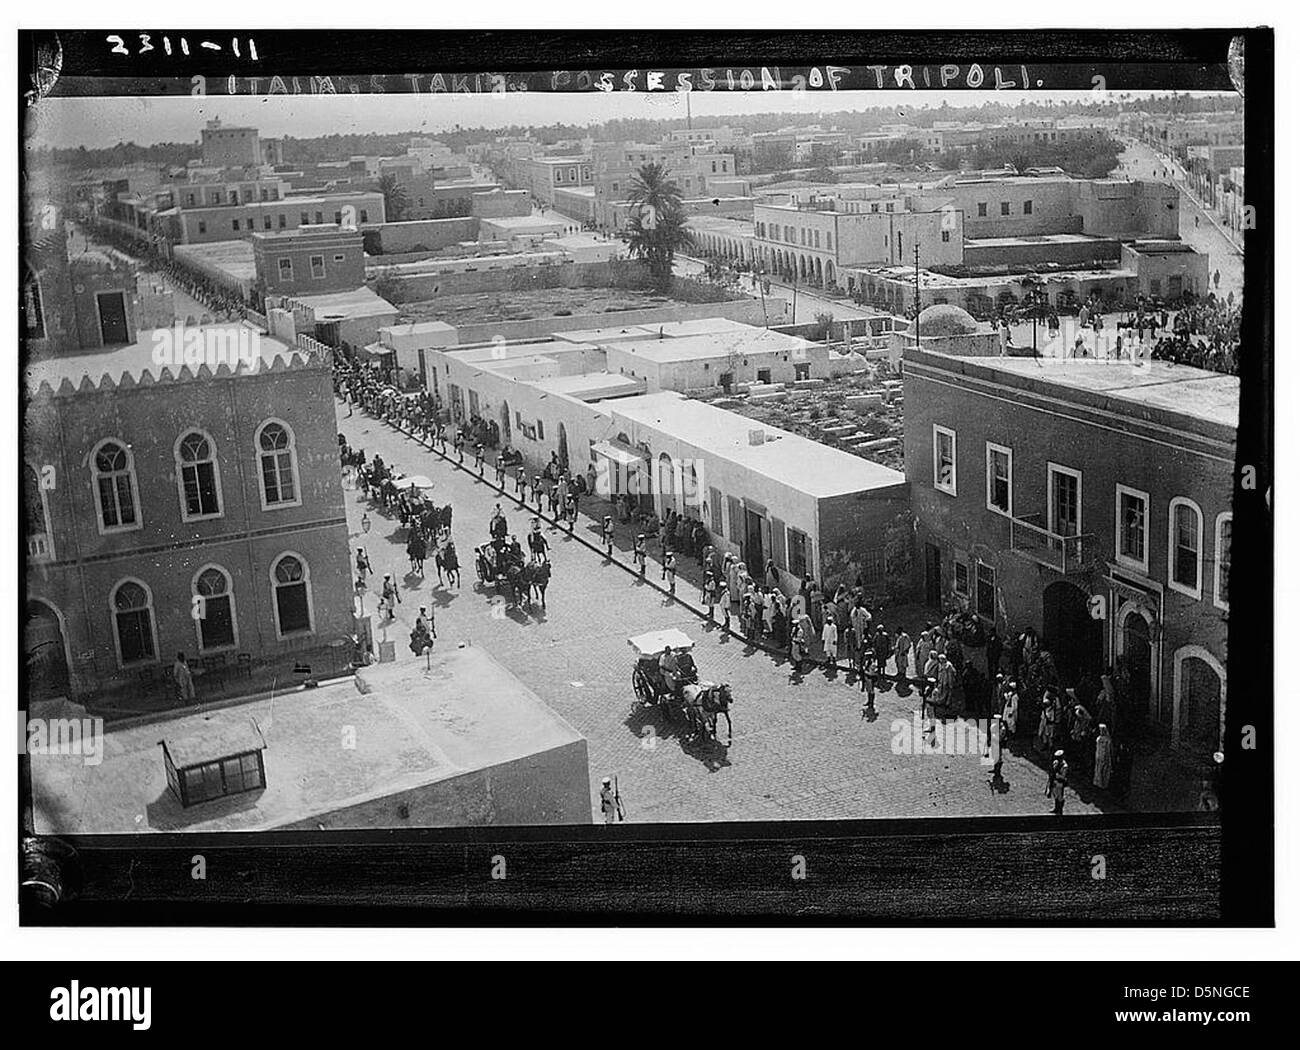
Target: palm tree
{"type": "Point", "coordinates": [394, 197]}
{"type": "Point", "coordinates": [657, 225]}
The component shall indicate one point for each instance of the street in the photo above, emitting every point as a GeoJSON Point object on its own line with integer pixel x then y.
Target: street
{"type": "Point", "coordinates": [802, 749]}
{"type": "Point", "coordinates": [1140, 161]}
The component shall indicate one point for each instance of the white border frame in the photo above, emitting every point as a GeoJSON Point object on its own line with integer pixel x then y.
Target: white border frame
{"type": "Point", "coordinates": [112, 530]}
{"type": "Point", "coordinates": [293, 464]}
{"type": "Point", "coordinates": [1174, 585]}
{"type": "Point", "coordinates": [234, 610]}
{"type": "Point", "coordinates": [1219, 522]}
{"type": "Point", "coordinates": [216, 475]}
{"type": "Point", "coordinates": [1057, 468]}
{"type": "Point", "coordinates": [275, 604]}
{"type": "Point", "coordinates": [1143, 566]}
{"type": "Point", "coordinates": [936, 430]}
{"type": "Point", "coordinates": [153, 624]}
{"type": "Point", "coordinates": [989, 448]}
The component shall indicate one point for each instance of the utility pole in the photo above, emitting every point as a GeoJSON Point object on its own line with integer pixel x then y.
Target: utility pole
{"type": "Point", "coordinates": [917, 301]}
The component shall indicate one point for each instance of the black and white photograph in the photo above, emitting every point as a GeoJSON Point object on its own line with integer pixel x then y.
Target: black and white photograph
{"type": "Point", "coordinates": [661, 451]}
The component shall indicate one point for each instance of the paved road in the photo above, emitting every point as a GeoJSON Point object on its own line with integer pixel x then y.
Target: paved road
{"type": "Point", "coordinates": [802, 749]}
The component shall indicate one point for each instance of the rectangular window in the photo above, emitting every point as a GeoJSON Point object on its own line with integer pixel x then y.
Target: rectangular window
{"type": "Point", "coordinates": [960, 576]}
{"type": "Point", "coordinates": [1006, 207]}
{"type": "Point", "coordinates": [248, 224]}
{"type": "Point", "coordinates": [338, 218]}
{"type": "Point", "coordinates": [797, 545]}
{"type": "Point", "coordinates": [203, 226]}
{"type": "Point", "coordinates": [998, 470]}
{"type": "Point", "coordinates": [266, 222]}
{"type": "Point", "coordinates": [1132, 510]}
{"type": "Point", "coordinates": [283, 221]}
{"type": "Point", "coordinates": [317, 266]}
{"type": "Point", "coordinates": [945, 460]}
{"type": "Point", "coordinates": [1063, 491]}
{"type": "Point", "coordinates": [234, 225]}
{"type": "Point", "coordinates": [320, 218]}
{"type": "Point", "coordinates": [715, 510]}
{"type": "Point", "coordinates": [365, 215]}
{"type": "Point", "coordinates": [945, 236]}
{"type": "Point", "coordinates": [304, 219]}
{"type": "Point", "coordinates": [982, 210]}
{"type": "Point", "coordinates": [985, 594]}
{"type": "Point", "coordinates": [286, 269]}
{"type": "Point", "coordinates": [1029, 207]}
{"type": "Point", "coordinates": [735, 532]}
{"type": "Point", "coordinates": [338, 258]}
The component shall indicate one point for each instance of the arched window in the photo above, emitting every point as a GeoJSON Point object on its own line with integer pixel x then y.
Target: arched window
{"type": "Point", "coordinates": [114, 471]}
{"type": "Point", "coordinates": [290, 582]}
{"type": "Point", "coordinates": [1185, 546]}
{"type": "Point", "coordinates": [1222, 558]}
{"type": "Point", "coordinates": [133, 623]}
{"type": "Point", "coordinates": [200, 483]}
{"type": "Point", "coordinates": [40, 543]}
{"type": "Point", "coordinates": [214, 609]}
{"type": "Point", "coordinates": [279, 466]}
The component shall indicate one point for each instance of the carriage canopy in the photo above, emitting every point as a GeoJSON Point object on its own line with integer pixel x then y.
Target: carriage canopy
{"type": "Point", "coordinates": [654, 642]}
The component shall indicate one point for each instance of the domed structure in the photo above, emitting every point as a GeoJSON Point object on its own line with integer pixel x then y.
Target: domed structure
{"type": "Point", "coordinates": [943, 319]}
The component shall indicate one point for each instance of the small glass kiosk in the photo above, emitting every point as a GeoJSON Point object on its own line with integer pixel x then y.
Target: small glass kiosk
{"type": "Point", "coordinates": [224, 760]}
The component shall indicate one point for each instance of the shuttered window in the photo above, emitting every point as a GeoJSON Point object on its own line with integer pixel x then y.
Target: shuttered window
{"type": "Point", "coordinates": [715, 508]}
{"type": "Point", "coordinates": [735, 527]}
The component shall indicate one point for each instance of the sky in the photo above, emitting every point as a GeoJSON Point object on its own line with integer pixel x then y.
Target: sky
{"type": "Point", "coordinates": [99, 122]}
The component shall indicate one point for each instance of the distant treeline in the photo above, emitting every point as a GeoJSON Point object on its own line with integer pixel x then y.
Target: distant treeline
{"type": "Point", "coordinates": [338, 147]}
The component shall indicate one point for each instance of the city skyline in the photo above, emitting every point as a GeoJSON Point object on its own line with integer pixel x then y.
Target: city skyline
{"type": "Point", "coordinates": [97, 123]}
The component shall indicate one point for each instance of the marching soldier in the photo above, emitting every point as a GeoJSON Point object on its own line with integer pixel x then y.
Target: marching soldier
{"type": "Point", "coordinates": [608, 531]}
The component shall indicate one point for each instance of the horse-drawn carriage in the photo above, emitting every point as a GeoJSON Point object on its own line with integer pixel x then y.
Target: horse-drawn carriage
{"type": "Point", "coordinates": [500, 567]}
{"type": "Point", "coordinates": [673, 685]}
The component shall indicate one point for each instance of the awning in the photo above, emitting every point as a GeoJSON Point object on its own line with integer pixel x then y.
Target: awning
{"type": "Point", "coordinates": [619, 454]}
{"type": "Point", "coordinates": [375, 350]}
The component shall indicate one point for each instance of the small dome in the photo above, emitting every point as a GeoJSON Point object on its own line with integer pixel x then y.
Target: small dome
{"type": "Point", "coordinates": [945, 319]}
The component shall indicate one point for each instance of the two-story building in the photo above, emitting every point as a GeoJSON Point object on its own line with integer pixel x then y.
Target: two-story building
{"type": "Point", "coordinates": [1092, 501]}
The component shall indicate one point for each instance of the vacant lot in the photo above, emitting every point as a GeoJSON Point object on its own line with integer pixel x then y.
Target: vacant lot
{"type": "Point", "coordinates": [481, 307]}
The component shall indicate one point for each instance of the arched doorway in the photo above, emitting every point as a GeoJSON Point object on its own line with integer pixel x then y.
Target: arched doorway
{"type": "Point", "coordinates": [1199, 686]}
{"type": "Point", "coordinates": [1070, 633]}
{"type": "Point", "coordinates": [505, 424]}
{"type": "Point", "coordinates": [1133, 652]}
{"type": "Point", "coordinates": [563, 452]}
{"type": "Point", "coordinates": [667, 488]}
{"type": "Point", "coordinates": [45, 648]}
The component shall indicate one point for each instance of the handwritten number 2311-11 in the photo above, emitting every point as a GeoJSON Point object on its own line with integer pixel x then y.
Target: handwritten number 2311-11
{"type": "Point", "coordinates": [147, 44]}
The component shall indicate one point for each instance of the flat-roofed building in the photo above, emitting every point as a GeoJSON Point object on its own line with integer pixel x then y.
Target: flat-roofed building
{"type": "Point", "coordinates": [461, 743]}
{"type": "Point", "coordinates": [1092, 501]}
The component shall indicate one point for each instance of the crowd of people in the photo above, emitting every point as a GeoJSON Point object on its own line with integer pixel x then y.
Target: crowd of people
{"type": "Point", "coordinates": [956, 666]}
{"type": "Point", "coordinates": [1206, 334]}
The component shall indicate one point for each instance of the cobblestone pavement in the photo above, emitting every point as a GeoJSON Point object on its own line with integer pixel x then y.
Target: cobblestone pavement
{"type": "Point", "coordinates": [802, 748]}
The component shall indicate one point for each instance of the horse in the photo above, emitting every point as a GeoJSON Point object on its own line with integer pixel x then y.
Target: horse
{"type": "Point", "coordinates": [704, 702]}
{"type": "Point", "coordinates": [539, 577]}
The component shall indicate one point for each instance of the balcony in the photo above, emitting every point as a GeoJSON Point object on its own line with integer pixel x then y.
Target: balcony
{"type": "Point", "coordinates": [1068, 555]}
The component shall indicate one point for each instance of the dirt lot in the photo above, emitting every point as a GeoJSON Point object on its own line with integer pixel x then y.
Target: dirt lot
{"type": "Point", "coordinates": [482, 307]}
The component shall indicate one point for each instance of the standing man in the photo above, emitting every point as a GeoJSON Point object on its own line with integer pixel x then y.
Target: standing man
{"type": "Point", "coordinates": [670, 571]}
{"type": "Point", "coordinates": [608, 805]}
{"type": "Point", "coordinates": [638, 552]}
{"type": "Point", "coordinates": [1056, 782]}
{"type": "Point", "coordinates": [607, 530]}
{"type": "Point", "coordinates": [184, 679]}
{"type": "Point", "coordinates": [902, 653]}
{"type": "Point", "coordinates": [830, 641]}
